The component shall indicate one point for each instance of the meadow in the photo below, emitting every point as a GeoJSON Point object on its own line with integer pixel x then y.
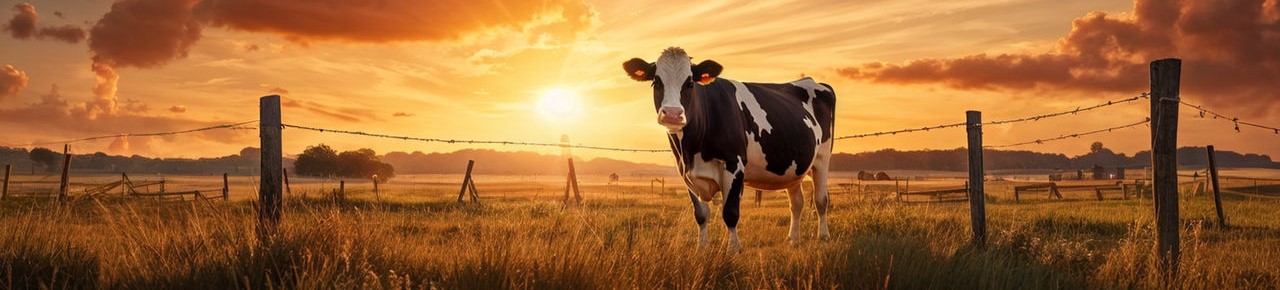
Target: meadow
{"type": "Point", "coordinates": [414, 235]}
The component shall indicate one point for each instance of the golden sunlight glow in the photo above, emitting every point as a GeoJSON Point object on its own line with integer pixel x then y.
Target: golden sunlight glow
{"type": "Point", "coordinates": [560, 104]}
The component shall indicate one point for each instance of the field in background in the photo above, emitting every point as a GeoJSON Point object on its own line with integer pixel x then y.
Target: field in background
{"type": "Point", "coordinates": [414, 235]}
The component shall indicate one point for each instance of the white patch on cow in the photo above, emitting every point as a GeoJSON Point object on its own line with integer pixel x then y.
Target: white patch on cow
{"type": "Point", "coordinates": [748, 100]}
{"type": "Point", "coordinates": [705, 177]}
{"type": "Point", "coordinates": [673, 68]}
{"type": "Point", "coordinates": [756, 176]}
{"type": "Point", "coordinates": [810, 86]}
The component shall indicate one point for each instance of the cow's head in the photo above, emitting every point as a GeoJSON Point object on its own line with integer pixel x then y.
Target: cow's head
{"type": "Point", "coordinates": [673, 76]}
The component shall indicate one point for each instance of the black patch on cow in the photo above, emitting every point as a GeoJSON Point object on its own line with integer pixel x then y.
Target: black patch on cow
{"type": "Point", "coordinates": [790, 141]}
{"type": "Point", "coordinates": [731, 200]}
{"type": "Point", "coordinates": [714, 126]}
{"type": "Point", "coordinates": [698, 216]}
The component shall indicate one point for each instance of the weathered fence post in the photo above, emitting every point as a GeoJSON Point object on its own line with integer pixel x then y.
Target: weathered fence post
{"type": "Point", "coordinates": [342, 192]}
{"type": "Point", "coordinates": [272, 170]}
{"type": "Point", "coordinates": [1165, 74]}
{"type": "Point", "coordinates": [287, 189]}
{"type": "Point", "coordinates": [572, 183]}
{"type": "Point", "coordinates": [376, 197]}
{"type": "Point", "coordinates": [225, 189]}
{"type": "Point", "coordinates": [66, 172]}
{"type": "Point", "coordinates": [4, 194]}
{"type": "Point", "coordinates": [1217, 195]}
{"type": "Point", "coordinates": [977, 208]}
{"type": "Point", "coordinates": [466, 180]}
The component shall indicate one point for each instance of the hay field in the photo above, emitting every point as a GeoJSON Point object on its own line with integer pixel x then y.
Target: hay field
{"type": "Point", "coordinates": [414, 235]}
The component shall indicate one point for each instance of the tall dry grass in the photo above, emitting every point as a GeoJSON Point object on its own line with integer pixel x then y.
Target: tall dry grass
{"type": "Point", "coordinates": [622, 240]}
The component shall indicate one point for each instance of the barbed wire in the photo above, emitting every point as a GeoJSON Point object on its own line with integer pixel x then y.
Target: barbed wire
{"type": "Point", "coordinates": [998, 122]}
{"type": "Point", "coordinates": [1072, 112]}
{"type": "Point", "coordinates": [1074, 135]}
{"type": "Point", "coordinates": [895, 132]}
{"type": "Point", "coordinates": [1234, 120]}
{"type": "Point", "coordinates": [235, 126]}
{"type": "Point", "coordinates": [462, 141]}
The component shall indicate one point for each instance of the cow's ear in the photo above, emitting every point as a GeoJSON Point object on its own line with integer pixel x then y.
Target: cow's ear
{"type": "Point", "coordinates": [638, 69]}
{"type": "Point", "coordinates": [707, 71]}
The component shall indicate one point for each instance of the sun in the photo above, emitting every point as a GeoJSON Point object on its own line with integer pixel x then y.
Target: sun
{"type": "Point", "coordinates": [560, 104]}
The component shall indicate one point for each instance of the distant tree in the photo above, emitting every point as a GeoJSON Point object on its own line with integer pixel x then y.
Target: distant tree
{"type": "Point", "coordinates": [1096, 147]}
{"type": "Point", "coordinates": [46, 157]}
{"type": "Point", "coordinates": [252, 153]}
{"type": "Point", "coordinates": [319, 160]}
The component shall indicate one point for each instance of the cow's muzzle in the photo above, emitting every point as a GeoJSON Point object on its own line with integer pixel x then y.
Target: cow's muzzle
{"type": "Point", "coordinates": [671, 117]}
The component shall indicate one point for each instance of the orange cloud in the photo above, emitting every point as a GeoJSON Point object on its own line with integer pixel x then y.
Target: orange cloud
{"type": "Point", "coordinates": [386, 21]}
{"type": "Point", "coordinates": [53, 113]}
{"type": "Point", "coordinates": [1229, 51]}
{"type": "Point", "coordinates": [12, 81]}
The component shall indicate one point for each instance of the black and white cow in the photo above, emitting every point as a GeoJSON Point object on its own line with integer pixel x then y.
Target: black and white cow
{"type": "Point", "coordinates": [728, 134]}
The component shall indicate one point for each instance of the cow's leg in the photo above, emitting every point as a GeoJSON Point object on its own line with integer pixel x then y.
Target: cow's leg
{"type": "Point", "coordinates": [730, 210]}
{"type": "Point", "coordinates": [797, 207]}
{"type": "Point", "coordinates": [819, 174]}
{"type": "Point", "coordinates": [700, 213]}
{"type": "Point", "coordinates": [820, 198]}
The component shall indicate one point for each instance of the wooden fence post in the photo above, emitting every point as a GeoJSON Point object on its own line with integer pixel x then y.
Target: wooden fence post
{"type": "Point", "coordinates": [1165, 74]}
{"type": "Point", "coordinates": [1217, 195]}
{"type": "Point", "coordinates": [66, 172]}
{"type": "Point", "coordinates": [287, 189]}
{"type": "Point", "coordinates": [269, 191]}
{"type": "Point", "coordinates": [466, 180]}
{"type": "Point", "coordinates": [4, 194]}
{"type": "Point", "coordinates": [977, 208]}
{"type": "Point", "coordinates": [572, 183]}
{"type": "Point", "coordinates": [342, 192]}
{"type": "Point", "coordinates": [225, 189]}
{"type": "Point", "coordinates": [376, 197]}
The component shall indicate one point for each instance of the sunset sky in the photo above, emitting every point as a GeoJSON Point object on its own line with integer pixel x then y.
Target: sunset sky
{"type": "Point", "coordinates": [481, 69]}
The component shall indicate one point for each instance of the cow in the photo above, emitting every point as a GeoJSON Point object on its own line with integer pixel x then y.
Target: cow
{"type": "Point", "coordinates": [727, 134]}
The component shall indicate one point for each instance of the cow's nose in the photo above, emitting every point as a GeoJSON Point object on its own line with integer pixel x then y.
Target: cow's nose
{"type": "Point", "coordinates": [672, 112]}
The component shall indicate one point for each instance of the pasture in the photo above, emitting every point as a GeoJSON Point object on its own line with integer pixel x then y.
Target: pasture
{"type": "Point", "coordinates": [413, 234]}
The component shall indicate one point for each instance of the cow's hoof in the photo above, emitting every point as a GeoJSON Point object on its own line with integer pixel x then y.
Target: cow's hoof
{"type": "Point", "coordinates": [793, 241]}
{"type": "Point", "coordinates": [734, 248]}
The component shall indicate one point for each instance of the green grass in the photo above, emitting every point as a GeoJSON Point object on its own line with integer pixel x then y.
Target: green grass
{"type": "Point", "coordinates": [624, 238]}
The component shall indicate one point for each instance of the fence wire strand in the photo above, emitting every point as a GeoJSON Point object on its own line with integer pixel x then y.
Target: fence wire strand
{"type": "Point", "coordinates": [1073, 135]}
{"type": "Point", "coordinates": [235, 126]}
{"type": "Point", "coordinates": [462, 141]}
{"type": "Point", "coordinates": [1234, 120]}
{"type": "Point", "coordinates": [998, 122]}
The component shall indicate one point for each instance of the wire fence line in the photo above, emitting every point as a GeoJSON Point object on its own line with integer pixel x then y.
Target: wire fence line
{"type": "Point", "coordinates": [235, 126]}
{"type": "Point", "coordinates": [1073, 135]}
{"type": "Point", "coordinates": [462, 141]}
{"type": "Point", "coordinates": [998, 122]}
{"type": "Point", "coordinates": [243, 126]}
{"type": "Point", "coordinates": [1234, 120]}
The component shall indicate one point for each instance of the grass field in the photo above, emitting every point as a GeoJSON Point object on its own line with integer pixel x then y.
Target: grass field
{"type": "Point", "coordinates": [414, 235]}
